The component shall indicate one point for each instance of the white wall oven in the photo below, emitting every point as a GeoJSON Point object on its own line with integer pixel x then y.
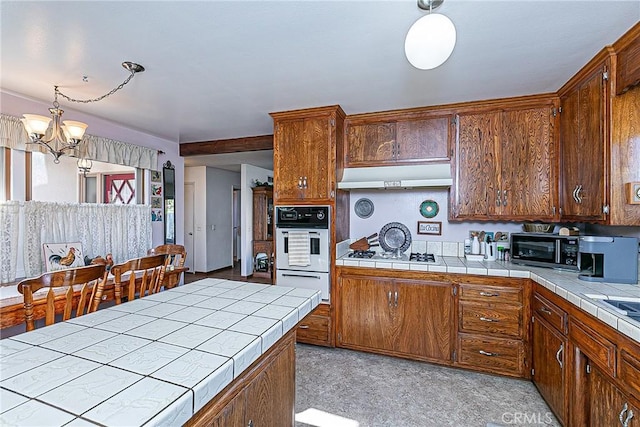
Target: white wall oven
{"type": "Point", "coordinates": [302, 247]}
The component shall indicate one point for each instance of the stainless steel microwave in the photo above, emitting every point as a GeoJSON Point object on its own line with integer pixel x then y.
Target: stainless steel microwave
{"type": "Point", "coordinates": [545, 250]}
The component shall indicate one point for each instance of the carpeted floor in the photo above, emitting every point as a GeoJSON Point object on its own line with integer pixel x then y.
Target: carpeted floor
{"type": "Point", "coordinates": [367, 390]}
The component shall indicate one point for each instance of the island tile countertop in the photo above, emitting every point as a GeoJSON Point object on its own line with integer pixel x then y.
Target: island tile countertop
{"type": "Point", "coordinates": [586, 295]}
{"type": "Point", "coordinates": [152, 361]}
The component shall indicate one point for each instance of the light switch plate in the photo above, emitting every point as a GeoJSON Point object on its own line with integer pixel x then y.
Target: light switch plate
{"type": "Point", "coordinates": [633, 193]}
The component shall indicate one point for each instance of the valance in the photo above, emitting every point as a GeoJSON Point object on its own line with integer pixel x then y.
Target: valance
{"type": "Point", "coordinates": [14, 136]}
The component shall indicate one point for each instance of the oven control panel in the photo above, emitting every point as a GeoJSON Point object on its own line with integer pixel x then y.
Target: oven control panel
{"type": "Point", "coordinates": [302, 216]}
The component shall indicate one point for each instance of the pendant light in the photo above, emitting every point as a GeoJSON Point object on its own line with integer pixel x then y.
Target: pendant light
{"type": "Point", "coordinates": [431, 39]}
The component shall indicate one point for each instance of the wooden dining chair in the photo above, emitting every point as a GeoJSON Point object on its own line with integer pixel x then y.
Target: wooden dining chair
{"type": "Point", "coordinates": [147, 271]}
{"type": "Point", "coordinates": [177, 255]}
{"type": "Point", "coordinates": [92, 280]}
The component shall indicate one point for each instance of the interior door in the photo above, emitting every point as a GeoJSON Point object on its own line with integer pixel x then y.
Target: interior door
{"type": "Point", "coordinates": [189, 192]}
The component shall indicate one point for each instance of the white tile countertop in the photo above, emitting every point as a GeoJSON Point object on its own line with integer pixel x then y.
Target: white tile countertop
{"type": "Point", "coordinates": [152, 361]}
{"type": "Point", "coordinates": [586, 295]}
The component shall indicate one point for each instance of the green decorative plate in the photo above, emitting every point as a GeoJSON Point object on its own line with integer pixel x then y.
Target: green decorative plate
{"type": "Point", "coordinates": [429, 208]}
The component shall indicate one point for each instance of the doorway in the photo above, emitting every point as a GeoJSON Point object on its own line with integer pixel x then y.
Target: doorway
{"type": "Point", "coordinates": [189, 211]}
{"type": "Point", "coordinates": [235, 218]}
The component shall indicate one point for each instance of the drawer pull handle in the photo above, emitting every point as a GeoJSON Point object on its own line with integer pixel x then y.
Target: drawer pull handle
{"type": "Point", "coordinates": [486, 353]}
{"type": "Point", "coordinates": [489, 294]}
{"type": "Point", "coordinates": [303, 327]}
{"type": "Point", "coordinates": [545, 310]}
{"type": "Point", "coordinates": [488, 319]}
{"type": "Point", "coordinates": [389, 298]}
{"type": "Point", "coordinates": [396, 299]}
{"type": "Point", "coordinates": [558, 355]}
{"type": "Point", "coordinates": [626, 420]}
{"type": "Point", "coordinates": [621, 416]}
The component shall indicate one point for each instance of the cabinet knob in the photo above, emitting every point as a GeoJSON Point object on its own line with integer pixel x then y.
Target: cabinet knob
{"type": "Point", "coordinates": [250, 423]}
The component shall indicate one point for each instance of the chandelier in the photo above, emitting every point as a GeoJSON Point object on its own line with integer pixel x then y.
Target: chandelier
{"type": "Point", "coordinates": [431, 39]}
{"type": "Point", "coordinates": [60, 138]}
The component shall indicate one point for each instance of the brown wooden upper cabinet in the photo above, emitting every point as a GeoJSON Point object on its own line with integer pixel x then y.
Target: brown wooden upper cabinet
{"type": "Point", "coordinates": [383, 139]}
{"type": "Point", "coordinates": [583, 121]}
{"type": "Point", "coordinates": [505, 161]}
{"type": "Point", "coordinates": [304, 154]}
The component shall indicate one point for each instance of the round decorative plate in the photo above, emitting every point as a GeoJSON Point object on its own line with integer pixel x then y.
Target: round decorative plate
{"type": "Point", "coordinates": [429, 208]}
{"type": "Point", "coordinates": [364, 208]}
{"type": "Point", "coordinates": [394, 236]}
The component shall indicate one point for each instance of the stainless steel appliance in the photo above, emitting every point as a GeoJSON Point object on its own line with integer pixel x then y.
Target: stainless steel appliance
{"type": "Point", "coordinates": [608, 259]}
{"type": "Point", "coordinates": [545, 250]}
{"type": "Point", "coordinates": [314, 221]}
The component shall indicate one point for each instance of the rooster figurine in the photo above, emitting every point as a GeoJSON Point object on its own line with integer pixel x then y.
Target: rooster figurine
{"type": "Point", "coordinates": [66, 260]}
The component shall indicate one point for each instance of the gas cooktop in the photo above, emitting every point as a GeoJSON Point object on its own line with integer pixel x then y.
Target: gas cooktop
{"type": "Point", "coordinates": [416, 257]}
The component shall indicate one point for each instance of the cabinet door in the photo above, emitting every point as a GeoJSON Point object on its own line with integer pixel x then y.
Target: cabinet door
{"type": "Point", "coordinates": [288, 159]}
{"type": "Point", "coordinates": [423, 318]}
{"type": "Point", "coordinates": [232, 415]}
{"type": "Point", "coordinates": [422, 140]}
{"type": "Point", "coordinates": [365, 312]}
{"type": "Point", "coordinates": [477, 145]}
{"type": "Point", "coordinates": [527, 178]}
{"type": "Point", "coordinates": [370, 144]}
{"type": "Point", "coordinates": [270, 397]}
{"type": "Point", "coordinates": [608, 406]}
{"type": "Point", "coordinates": [548, 364]}
{"type": "Point", "coordinates": [582, 124]}
{"type": "Point", "coordinates": [318, 161]}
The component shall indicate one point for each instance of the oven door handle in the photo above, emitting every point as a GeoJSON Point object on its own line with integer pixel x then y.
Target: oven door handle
{"type": "Point", "coordinates": [300, 275]}
{"type": "Point", "coordinates": [310, 232]}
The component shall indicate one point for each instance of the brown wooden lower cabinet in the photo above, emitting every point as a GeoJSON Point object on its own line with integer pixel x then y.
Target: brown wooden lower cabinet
{"type": "Point", "coordinates": [608, 406]}
{"type": "Point", "coordinates": [549, 351]}
{"type": "Point", "coordinates": [263, 396]}
{"type": "Point", "coordinates": [315, 328]}
{"type": "Point", "coordinates": [402, 317]}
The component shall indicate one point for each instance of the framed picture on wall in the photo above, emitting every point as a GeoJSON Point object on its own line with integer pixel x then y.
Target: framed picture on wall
{"type": "Point", "coordinates": [156, 176]}
{"type": "Point", "coordinates": [429, 227]}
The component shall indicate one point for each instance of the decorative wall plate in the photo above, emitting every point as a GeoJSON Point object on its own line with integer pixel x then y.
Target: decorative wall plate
{"type": "Point", "coordinates": [429, 208]}
{"type": "Point", "coordinates": [394, 236]}
{"type": "Point", "coordinates": [364, 208]}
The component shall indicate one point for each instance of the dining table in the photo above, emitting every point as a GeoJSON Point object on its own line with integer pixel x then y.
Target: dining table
{"type": "Point", "coordinates": [171, 358]}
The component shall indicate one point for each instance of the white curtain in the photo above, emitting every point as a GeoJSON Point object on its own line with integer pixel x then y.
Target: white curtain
{"type": "Point", "coordinates": [14, 136]}
{"type": "Point", "coordinates": [9, 238]}
{"type": "Point", "coordinates": [122, 230]}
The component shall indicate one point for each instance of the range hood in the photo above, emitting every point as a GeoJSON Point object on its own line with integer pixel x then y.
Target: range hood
{"type": "Point", "coordinates": [397, 177]}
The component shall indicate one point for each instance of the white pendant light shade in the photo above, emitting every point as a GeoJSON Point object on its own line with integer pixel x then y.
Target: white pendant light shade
{"type": "Point", "coordinates": [73, 130]}
{"type": "Point", "coordinates": [35, 124]}
{"type": "Point", "coordinates": [430, 41]}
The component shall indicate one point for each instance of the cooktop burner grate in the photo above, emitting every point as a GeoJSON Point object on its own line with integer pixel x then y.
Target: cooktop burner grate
{"type": "Point", "coordinates": [420, 257]}
{"type": "Point", "coordinates": [362, 254]}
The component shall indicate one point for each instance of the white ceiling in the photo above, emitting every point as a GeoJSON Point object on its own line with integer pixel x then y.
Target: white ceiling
{"type": "Point", "coordinates": [215, 69]}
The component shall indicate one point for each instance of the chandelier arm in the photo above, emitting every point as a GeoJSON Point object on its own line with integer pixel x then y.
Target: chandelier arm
{"type": "Point", "coordinates": [86, 101]}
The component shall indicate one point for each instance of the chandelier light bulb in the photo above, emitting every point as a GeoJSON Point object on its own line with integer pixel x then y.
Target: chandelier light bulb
{"type": "Point", "coordinates": [430, 41]}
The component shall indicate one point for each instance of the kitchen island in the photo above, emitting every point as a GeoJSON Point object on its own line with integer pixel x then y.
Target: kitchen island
{"type": "Point", "coordinates": [197, 353]}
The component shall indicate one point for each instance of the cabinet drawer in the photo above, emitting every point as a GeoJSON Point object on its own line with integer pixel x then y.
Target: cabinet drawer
{"type": "Point", "coordinates": [503, 319]}
{"type": "Point", "coordinates": [315, 327]}
{"type": "Point", "coordinates": [629, 372]}
{"type": "Point", "coordinates": [550, 312]}
{"type": "Point", "coordinates": [494, 354]}
{"type": "Point", "coordinates": [490, 294]}
{"type": "Point", "coordinates": [598, 349]}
